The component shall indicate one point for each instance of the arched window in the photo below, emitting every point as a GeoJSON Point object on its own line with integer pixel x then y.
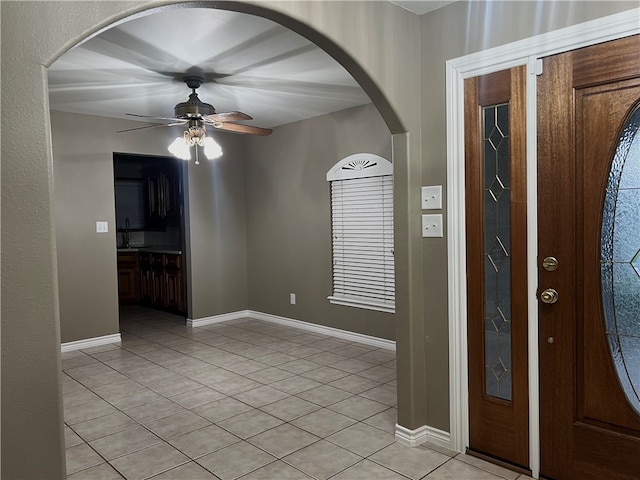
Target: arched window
{"type": "Point", "coordinates": [362, 229]}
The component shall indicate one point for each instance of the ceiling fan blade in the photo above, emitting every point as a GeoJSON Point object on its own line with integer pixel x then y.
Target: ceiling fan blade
{"type": "Point", "coordinates": [227, 117]}
{"type": "Point", "coordinates": [237, 128]}
{"type": "Point", "coordinates": [151, 126]}
{"type": "Point", "coordinates": [173, 119]}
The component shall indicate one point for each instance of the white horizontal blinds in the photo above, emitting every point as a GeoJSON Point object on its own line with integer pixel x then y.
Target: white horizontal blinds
{"type": "Point", "coordinates": [362, 221]}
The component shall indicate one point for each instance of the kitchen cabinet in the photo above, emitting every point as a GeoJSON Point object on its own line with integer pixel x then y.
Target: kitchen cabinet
{"type": "Point", "coordinates": [128, 277]}
{"type": "Point", "coordinates": [162, 282]}
{"type": "Point", "coordinates": [164, 195]}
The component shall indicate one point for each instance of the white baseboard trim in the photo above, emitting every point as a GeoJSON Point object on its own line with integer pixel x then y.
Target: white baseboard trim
{"type": "Point", "coordinates": [310, 327]}
{"type": "Point", "coordinates": [425, 433]}
{"type": "Point", "coordinates": [90, 342]}
{"type": "Point", "coordinates": [225, 317]}
{"type": "Point", "coordinates": [323, 330]}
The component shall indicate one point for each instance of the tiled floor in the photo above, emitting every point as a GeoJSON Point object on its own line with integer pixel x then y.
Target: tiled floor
{"type": "Point", "coordinates": [241, 399]}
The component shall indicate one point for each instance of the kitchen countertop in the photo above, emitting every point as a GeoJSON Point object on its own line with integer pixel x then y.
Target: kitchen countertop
{"type": "Point", "coordinates": [157, 249]}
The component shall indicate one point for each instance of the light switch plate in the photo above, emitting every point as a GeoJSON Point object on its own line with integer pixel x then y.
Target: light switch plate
{"type": "Point", "coordinates": [102, 227]}
{"type": "Point", "coordinates": [432, 197]}
{"type": "Point", "coordinates": [432, 225]}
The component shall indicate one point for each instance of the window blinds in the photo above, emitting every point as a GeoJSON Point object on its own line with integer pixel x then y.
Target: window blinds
{"type": "Point", "coordinates": [362, 224]}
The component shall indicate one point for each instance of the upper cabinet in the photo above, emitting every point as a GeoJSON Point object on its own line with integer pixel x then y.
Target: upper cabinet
{"type": "Point", "coordinates": [148, 191]}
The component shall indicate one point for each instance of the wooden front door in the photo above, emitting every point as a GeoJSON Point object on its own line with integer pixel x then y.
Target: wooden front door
{"type": "Point", "coordinates": [589, 220]}
{"type": "Point", "coordinates": [496, 221]}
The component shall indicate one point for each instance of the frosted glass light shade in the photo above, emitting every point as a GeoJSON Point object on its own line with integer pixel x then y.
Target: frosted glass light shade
{"type": "Point", "coordinates": [211, 148]}
{"type": "Point", "coordinates": [180, 149]}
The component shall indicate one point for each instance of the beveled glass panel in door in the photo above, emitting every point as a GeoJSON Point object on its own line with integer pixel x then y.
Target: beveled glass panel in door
{"type": "Point", "coordinates": [497, 265]}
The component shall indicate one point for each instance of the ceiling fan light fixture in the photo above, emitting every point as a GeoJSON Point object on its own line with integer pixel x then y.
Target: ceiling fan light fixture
{"type": "Point", "coordinates": [180, 148]}
{"type": "Point", "coordinates": [195, 136]}
{"type": "Point", "coordinates": [211, 148]}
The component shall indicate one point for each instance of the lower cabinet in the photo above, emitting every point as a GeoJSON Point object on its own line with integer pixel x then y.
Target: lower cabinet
{"type": "Point", "coordinates": [128, 278]}
{"type": "Point", "coordinates": [162, 282]}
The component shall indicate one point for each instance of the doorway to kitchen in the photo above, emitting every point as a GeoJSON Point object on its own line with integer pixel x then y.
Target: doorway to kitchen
{"type": "Point", "coordinates": [150, 233]}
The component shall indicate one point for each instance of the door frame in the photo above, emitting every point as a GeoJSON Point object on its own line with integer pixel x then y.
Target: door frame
{"type": "Point", "coordinates": [522, 52]}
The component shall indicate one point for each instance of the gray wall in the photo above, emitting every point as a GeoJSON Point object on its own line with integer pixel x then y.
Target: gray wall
{"type": "Point", "coordinates": [83, 149]}
{"type": "Point", "coordinates": [289, 217]}
{"type": "Point", "coordinates": [485, 25]}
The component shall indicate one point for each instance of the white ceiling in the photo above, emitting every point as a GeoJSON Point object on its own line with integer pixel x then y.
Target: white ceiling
{"type": "Point", "coordinates": [250, 64]}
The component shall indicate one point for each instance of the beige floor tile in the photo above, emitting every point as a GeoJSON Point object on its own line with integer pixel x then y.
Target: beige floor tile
{"type": "Point", "coordinates": [352, 365]}
{"type": "Point", "coordinates": [197, 397]}
{"type": "Point", "coordinates": [174, 386]}
{"type": "Point", "coordinates": [269, 375]}
{"type": "Point", "coordinates": [88, 411]}
{"type": "Point", "coordinates": [380, 374]}
{"type": "Point", "coordinates": [250, 423]}
{"type": "Point", "coordinates": [143, 396]}
{"type": "Point", "coordinates": [235, 460]}
{"type": "Point", "coordinates": [103, 426]}
{"type": "Point", "coordinates": [71, 438]}
{"type": "Point", "coordinates": [283, 440]}
{"type": "Point", "coordinates": [354, 384]}
{"type": "Point", "coordinates": [295, 385]}
{"type": "Point", "coordinates": [104, 471]}
{"type": "Point", "coordinates": [362, 439]}
{"type": "Point", "coordinates": [290, 408]}
{"type": "Point", "coordinates": [323, 422]}
{"type": "Point", "coordinates": [222, 409]}
{"type": "Point", "coordinates": [455, 470]}
{"type": "Point", "coordinates": [125, 442]}
{"type": "Point", "coordinates": [298, 366]}
{"type": "Point", "coordinates": [326, 358]}
{"type": "Point", "coordinates": [379, 356]}
{"type": "Point", "coordinates": [248, 366]}
{"type": "Point", "coordinates": [187, 471]}
{"type": "Point", "coordinates": [178, 424]}
{"type": "Point", "coordinates": [81, 457]}
{"type": "Point", "coordinates": [385, 420]}
{"type": "Point", "coordinates": [487, 466]}
{"type": "Point", "coordinates": [324, 395]}
{"type": "Point", "coordinates": [358, 407]}
{"type": "Point", "coordinates": [260, 396]}
{"type": "Point", "coordinates": [277, 471]}
{"type": "Point", "coordinates": [384, 394]}
{"type": "Point", "coordinates": [325, 374]}
{"type": "Point", "coordinates": [203, 441]}
{"type": "Point", "coordinates": [148, 462]}
{"type": "Point", "coordinates": [413, 462]}
{"type": "Point", "coordinates": [368, 470]}
{"type": "Point", "coordinates": [235, 385]}
{"type": "Point", "coordinates": [154, 411]}
{"type": "Point", "coordinates": [322, 459]}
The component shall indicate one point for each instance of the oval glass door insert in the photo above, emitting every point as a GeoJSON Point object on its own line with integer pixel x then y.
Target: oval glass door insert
{"type": "Point", "coordinates": [620, 259]}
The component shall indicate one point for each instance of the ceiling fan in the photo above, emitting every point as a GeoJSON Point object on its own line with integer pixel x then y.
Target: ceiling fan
{"type": "Point", "coordinates": [197, 115]}
{"type": "Point", "coordinates": [195, 110]}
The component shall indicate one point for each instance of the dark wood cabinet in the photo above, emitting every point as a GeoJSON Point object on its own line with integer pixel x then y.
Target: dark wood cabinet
{"type": "Point", "coordinates": [164, 195]}
{"type": "Point", "coordinates": [128, 277]}
{"type": "Point", "coordinates": [162, 282]}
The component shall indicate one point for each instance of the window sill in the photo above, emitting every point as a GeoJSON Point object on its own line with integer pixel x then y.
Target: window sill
{"type": "Point", "coordinates": [362, 303]}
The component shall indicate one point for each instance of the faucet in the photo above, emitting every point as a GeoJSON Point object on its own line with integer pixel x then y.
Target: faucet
{"type": "Point", "coordinates": [126, 235]}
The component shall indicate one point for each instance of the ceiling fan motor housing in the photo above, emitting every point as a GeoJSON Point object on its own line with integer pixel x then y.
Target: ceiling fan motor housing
{"type": "Point", "coordinates": [193, 107]}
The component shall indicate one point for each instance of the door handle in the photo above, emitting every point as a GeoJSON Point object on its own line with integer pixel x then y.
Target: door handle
{"type": "Point", "coordinates": [549, 296]}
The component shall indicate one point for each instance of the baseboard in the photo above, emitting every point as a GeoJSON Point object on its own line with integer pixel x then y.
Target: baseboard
{"type": "Point", "coordinates": [90, 342]}
{"type": "Point", "coordinates": [323, 330]}
{"type": "Point", "coordinates": [425, 433]}
{"type": "Point", "coordinates": [225, 317]}
{"type": "Point", "coordinates": [289, 322]}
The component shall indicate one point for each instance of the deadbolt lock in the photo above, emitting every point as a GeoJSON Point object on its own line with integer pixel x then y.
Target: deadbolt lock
{"type": "Point", "coordinates": [549, 296]}
{"type": "Point", "coordinates": [550, 264]}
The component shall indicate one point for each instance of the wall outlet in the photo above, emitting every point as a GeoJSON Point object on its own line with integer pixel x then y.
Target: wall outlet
{"type": "Point", "coordinates": [432, 225]}
{"type": "Point", "coordinates": [432, 197]}
{"type": "Point", "coordinates": [102, 227]}
{"type": "Point", "coordinates": [292, 298]}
